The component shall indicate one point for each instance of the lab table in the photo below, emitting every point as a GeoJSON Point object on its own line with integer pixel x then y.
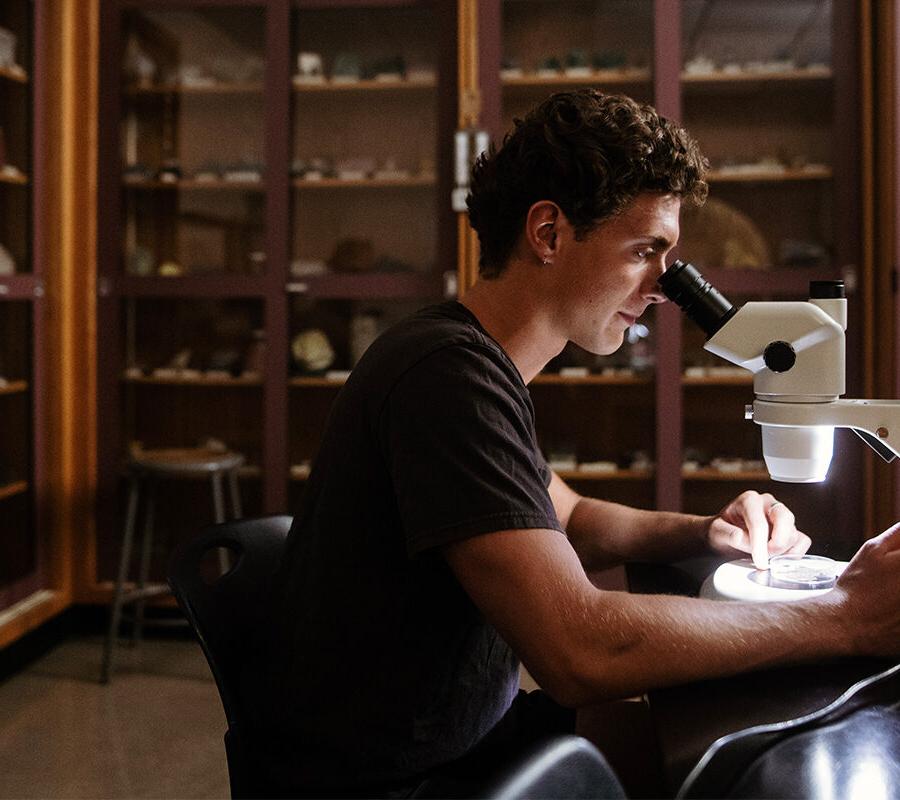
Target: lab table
{"type": "Point", "coordinates": [653, 742]}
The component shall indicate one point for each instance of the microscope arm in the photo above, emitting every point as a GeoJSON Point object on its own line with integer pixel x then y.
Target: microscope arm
{"type": "Point", "coordinates": [876, 422]}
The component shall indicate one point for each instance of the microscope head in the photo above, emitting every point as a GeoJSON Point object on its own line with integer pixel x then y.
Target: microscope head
{"type": "Point", "coordinates": [795, 351]}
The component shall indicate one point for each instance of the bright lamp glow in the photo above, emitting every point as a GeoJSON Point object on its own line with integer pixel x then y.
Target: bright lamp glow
{"type": "Point", "coordinates": [798, 455]}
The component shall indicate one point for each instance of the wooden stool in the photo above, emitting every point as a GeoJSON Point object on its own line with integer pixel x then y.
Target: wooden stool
{"type": "Point", "coordinates": [145, 468]}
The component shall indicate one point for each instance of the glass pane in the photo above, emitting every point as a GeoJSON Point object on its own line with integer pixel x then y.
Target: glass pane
{"type": "Point", "coordinates": [193, 186]}
{"type": "Point", "coordinates": [364, 141]}
{"type": "Point", "coordinates": [553, 45]}
{"type": "Point", "coordinates": [15, 137]}
{"type": "Point", "coordinates": [757, 88]}
{"type": "Point", "coordinates": [17, 541]}
{"type": "Point", "coordinates": [366, 213]}
{"type": "Point", "coordinates": [194, 373]}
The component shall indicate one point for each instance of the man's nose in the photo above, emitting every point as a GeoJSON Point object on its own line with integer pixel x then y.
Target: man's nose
{"type": "Point", "coordinates": [651, 290]}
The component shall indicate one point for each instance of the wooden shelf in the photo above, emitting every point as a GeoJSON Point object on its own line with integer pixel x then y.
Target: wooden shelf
{"type": "Point", "coordinates": [14, 75]}
{"type": "Point", "coordinates": [555, 379]}
{"type": "Point", "coordinates": [606, 77]}
{"type": "Point", "coordinates": [367, 286]}
{"type": "Point", "coordinates": [775, 282]}
{"type": "Point", "coordinates": [299, 472]}
{"type": "Point", "coordinates": [749, 77]}
{"type": "Point", "coordinates": [203, 380]}
{"type": "Point", "coordinates": [13, 489]}
{"type": "Point", "coordinates": [365, 85]}
{"type": "Point", "coordinates": [317, 382]}
{"type": "Point", "coordinates": [14, 387]}
{"type": "Point", "coordinates": [249, 87]}
{"type": "Point", "coordinates": [207, 285]}
{"type": "Point", "coordinates": [189, 184]}
{"type": "Point", "coordinates": [717, 380]}
{"type": "Point", "coordinates": [618, 475]}
{"type": "Point", "coordinates": [815, 173]}
{"type": "Point", "coordinates": [717, 475]}
{"type": "Point", "coordinates": [412, 182]}
{"type": "Point", "coordinates": [14, 180]}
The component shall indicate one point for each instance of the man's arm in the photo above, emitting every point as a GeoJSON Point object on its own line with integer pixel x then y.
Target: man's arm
{"type": "Point", "coordinates": [606, 534]}
{"type": "Point", "coordinates": [584, 645]}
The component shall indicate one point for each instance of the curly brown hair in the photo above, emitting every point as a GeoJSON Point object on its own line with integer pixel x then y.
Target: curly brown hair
{"type": "Point", "coordinates": [591, 154]}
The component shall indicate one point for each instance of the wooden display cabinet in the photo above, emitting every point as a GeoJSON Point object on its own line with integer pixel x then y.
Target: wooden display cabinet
{"type": "Point", "coordinates": [251, 194]}
{"type": "Point", "coordinates": [769, 90]}
{"type": "Point", "coordinates": [23, 556]}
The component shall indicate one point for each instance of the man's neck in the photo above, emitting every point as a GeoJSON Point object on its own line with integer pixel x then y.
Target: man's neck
{"type": "Point", "coordinates": [511, 311]}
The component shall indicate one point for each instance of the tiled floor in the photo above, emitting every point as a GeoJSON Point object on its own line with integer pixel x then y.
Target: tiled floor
{"type": "Point", "coordinates": [154, 732]}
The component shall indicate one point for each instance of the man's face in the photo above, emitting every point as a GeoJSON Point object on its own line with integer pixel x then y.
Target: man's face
{"type": "Point", "coordinates": [610, 278]}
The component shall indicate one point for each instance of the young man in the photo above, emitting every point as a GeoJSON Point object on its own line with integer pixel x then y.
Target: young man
{"type": "Point", "coordinates": [434, 549]}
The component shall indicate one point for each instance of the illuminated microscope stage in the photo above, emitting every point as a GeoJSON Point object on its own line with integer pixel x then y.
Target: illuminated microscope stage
{"type": "Point", "coordinates": [788, 578]}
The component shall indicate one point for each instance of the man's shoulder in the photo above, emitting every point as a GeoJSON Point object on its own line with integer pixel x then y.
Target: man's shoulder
{"type": "Point", "coordinates": [445, 331]}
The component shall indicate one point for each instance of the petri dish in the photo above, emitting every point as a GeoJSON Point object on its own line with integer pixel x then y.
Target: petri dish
{"type": "Point", "coordinates": [803, 572]}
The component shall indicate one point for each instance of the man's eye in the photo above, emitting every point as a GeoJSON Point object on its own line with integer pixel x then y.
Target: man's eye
{"type": "Point", "coordinates": [645, 252]}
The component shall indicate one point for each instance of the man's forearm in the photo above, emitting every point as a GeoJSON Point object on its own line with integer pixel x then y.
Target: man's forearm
{"type": "Point", "coordinates": [607, 534]}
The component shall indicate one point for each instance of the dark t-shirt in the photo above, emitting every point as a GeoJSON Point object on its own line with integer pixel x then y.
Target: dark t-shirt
{"type": "Point", "coordinates": [381, 667]}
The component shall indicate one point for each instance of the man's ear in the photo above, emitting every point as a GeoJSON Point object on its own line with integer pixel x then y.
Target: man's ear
{"type": "Point", "coordinates": [542, 230]}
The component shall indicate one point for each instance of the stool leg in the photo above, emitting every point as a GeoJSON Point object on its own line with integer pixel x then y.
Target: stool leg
{"type": "Point", "coordinates": [235, 494]}
{"type": "Point", "coordinates": [115, 618]}
{"type": "Point", "coordinates": [144, 569]}
{"type": "Point", "coordinates": [219, 512]}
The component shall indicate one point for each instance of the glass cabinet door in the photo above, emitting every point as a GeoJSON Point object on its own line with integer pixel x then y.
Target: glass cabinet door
{"type": "Point", "coordinates": [757, 91]}
{"type": "Point", "coordinates": [21, 555]}
{"type": "Point", "coordinates": [762, 85]}
{"type": "Point", "coordinates": [369, 219]}
{"type": "Point", "coordinates": [594, 415]}
{"type": "Point", "coordinates": [192, 141]}
{"type": "Point", "coordinates": [15, 137]}
{"type": "Point", "coordinates": [554, 45]}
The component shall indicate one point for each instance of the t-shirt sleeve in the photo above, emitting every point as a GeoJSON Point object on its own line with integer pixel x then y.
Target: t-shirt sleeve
{"type": "Point", "coordinates": [457, 434]}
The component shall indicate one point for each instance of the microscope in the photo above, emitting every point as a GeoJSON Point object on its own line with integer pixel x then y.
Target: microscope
{"type": "Point", "coordinates": [795, 351]}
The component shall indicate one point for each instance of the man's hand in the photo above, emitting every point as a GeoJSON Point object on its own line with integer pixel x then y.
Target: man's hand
{"type": "Point", "coordinates": [867, 596]}
{"type": "Point", "coordinates": [757, 524]}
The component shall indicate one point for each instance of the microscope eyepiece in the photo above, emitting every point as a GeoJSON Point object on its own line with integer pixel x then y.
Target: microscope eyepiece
{"type": "Point", "coordinates": [683, 284]}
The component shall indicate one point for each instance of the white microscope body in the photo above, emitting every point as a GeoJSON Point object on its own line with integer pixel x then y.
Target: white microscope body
{"type": "Point", "coordinates": [796, 353]}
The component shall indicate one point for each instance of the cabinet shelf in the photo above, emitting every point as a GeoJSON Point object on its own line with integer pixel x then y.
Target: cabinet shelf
{"type": "Point", "coordinates": [159, 90]}
{"type": "Point", "coordinates": [188, 184]}
{"type": "Point", "coordinates": [18, 179]}
{"type": "Point", "coordinates": [412, 182]}
{"type": "Point", "coordinates": [346, 286]}
{"type": "Point", "coordinates": [749, 78]}
{"type": "Point", "coordinates": [23, 286]}
{"type": "Point", "coordinates": [14, 75]}
{"type": "Point", "coordinates": [13, 489]}
{"type": "Point", "coordinates": [317, 382]}
{"type": "Point", "coordinates": [611, 77]}
{"type": "Point", "coordinates": [718, 475]}
{"type": "Point", "coordinates": [416, 84]}
{"type": "Point", "coordinates": [200, 380]}
{"type": "Point", "coordinates": [13, 387]}
{"type": "Point", "coordinates": [813, 173]}
{"type": "Point", "coordinates": [555, 379]}
{"type": "Point", "coordinates": [776, 282]}
{"type": "Point", "coordinates": [717, 380]}
{"type": "Point", "coordinates": [618, 475]}
{"type": "Point", "coordinates": [209, 285]}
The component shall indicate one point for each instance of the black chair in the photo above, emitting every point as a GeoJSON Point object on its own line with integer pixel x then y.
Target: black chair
{"type": "Point", "coordinates": [849, 749]}
{"type": "Point", "coordinates": [564, 767]}
{"type": "Point", "coordinates": [223, 609]}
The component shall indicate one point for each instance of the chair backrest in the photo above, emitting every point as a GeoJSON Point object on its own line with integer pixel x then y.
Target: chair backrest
{"type": "Point", "coordinates": [565, 767]}
{"type": "Point", "coordinates": [226, 609]}
{"type": "Point", "coordinates": [847, 749]}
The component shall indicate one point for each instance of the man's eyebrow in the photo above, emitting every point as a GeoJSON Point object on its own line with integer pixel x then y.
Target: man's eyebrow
{"type": "Point", "coordinates": [658, 242]}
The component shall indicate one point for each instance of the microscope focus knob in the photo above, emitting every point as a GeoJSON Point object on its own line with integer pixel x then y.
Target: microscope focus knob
{"type": "Point", "coordinates": [779, 356]}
